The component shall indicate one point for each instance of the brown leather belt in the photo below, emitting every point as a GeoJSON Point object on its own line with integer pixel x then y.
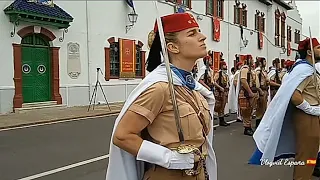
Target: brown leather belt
{"type": "Point", "coordinates": [253, 89]}
{"type": "Point", "coordinates": [274, 87]}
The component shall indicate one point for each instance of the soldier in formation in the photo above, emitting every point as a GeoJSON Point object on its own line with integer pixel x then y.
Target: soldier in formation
{"type": "Point", "coordinates": [248, 94]}
{"type": "Point", "coordinates": [290, 125]}
{"type": "Point", "coordinates": [263, 89]}
{"type": "Point", "coordinates": [274, 77]}
{"type": "Point", "coordinates": [222, 79]}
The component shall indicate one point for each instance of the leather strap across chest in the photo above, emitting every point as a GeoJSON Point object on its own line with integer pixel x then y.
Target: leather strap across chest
{"type": "Point", "coordinates": [195, 108]}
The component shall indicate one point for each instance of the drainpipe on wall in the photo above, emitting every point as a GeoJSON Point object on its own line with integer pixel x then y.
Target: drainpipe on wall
{"type": "Point", "coordinates": [88, 52]}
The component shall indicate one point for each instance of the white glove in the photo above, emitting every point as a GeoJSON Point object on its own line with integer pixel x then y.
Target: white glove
{"type": "Point", "coordinates": [164, 157]}
{"type": "Point", "coordinates": [312, 110]}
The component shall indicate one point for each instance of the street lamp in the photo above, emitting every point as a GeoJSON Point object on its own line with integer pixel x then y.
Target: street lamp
{"type": "Point", "coordinates": [133, 16]}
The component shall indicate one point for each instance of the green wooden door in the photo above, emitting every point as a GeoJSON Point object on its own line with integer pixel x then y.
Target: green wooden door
{"type": "Point", "coordinates": [36, 79]}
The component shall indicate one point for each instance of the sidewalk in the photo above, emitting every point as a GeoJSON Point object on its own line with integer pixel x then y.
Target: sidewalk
{"type": "Point", "coordinates": [51, 115]}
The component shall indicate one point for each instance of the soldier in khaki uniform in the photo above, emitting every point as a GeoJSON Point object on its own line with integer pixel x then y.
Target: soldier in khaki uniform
{"type": "Point", "coordinates": [283, 70]}
{"type": "Point", "coordinates": [306, 117]}
{"type": "Point", "coordinates": [206, 79]}
{"type": "Point", "coordinates": [274, 77]}
{"type": "Point", "coordinates": [222, 79]}
{"type": "Point", "coordinates": [263, 90]}
{"type": "Point", "coordinates": [291, 124]}
{"type": "Point", "coordinates": [148, 129]}
{"type": "Point", "coordinates": [248, 94]}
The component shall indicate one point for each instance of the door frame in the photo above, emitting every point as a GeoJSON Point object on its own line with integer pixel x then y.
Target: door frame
{"type": "Point", "coordinates": [17, 59]}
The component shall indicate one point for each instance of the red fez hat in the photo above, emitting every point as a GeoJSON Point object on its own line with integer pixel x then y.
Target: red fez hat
{"type": "Point", "coordinates": [207, 57]}
{"type": "Point", "coordinates": [249, 56]}
{"type": "Point", "coordinates": [289, 63]}
{"type": "Point", "coordinates": [305, 44]}
{"type": "Point", "coordinates": [176, 22]}
{"type": "Point", "coordinates": [223, 63]}
{"type": "Point", "coordinates": [239, 63]}
{"type": "Point", "coordinates": [260, 59]}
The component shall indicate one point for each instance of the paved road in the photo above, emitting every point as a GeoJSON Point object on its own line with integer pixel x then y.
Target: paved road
{"type": "Point", "coordinates": [30, 151]}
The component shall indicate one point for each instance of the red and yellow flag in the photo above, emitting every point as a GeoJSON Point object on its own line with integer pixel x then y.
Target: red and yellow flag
{"type": "Point", "coordinates": [311, 162]}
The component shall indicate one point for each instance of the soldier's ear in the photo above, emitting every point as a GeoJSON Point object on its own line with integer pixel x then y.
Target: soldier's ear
{"type": "Point", "coordinates": [309, 52]}
{"type": "Point", "coordinates": [173, 48]}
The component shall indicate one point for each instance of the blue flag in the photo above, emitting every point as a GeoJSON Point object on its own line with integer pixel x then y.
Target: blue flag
{"type": "Point", "coordinates": [130, 3]}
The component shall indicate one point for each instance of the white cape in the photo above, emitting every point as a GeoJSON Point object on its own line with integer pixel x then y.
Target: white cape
{"type": "Point", "coordinates": [232, 95]}
{"type": "Point", "coordinates": [201, 72]}
{"type": "Point", "coordinates": [271, 72]}
{"type": "Point", "coordinates": [274, 136]}
{"type": "Point", "coordinates": [124, 166]}
{"type": "Point", "coordinates": [285, 77]}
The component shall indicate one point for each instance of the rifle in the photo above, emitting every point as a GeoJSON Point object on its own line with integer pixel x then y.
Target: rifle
{"type": "Point", "coordinates": [277, 78]}
{"type": "Point", "coordinates": [260, 76]}
{"type": "Point", "coordinates": [206, 72]}
{"type": "Point", "coordinates": [246, 93]}
{"type": "Point", "coordinates": [249, 76]}
{"type": "Point", "coordinates": [220, 79]}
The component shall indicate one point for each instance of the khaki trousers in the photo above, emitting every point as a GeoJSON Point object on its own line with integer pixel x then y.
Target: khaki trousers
{"type": "Point", "coordinates": [307, 131]}
{"type": "Point", "coordinates": [262, 105]}
{"type": "Point", "coordinates": [221, 101]}
{"type": "Point", "coordinates": [246, 107]}
{"type": "Point", "coordinates": [160, 173]}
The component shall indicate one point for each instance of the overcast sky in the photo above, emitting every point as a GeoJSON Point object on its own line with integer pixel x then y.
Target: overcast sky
{"type": "Point", "coordinates": [309, 11]}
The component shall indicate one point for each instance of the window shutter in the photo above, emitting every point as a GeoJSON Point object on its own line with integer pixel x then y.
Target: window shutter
{"type": "Point", "coordinates": [107, 63]}
{"type": "Point", "coordinates": [215, 8]}
{"type": "Point", "coordinates": [222, 9]}
{"type": "Point", "coordinates": [234, 14]}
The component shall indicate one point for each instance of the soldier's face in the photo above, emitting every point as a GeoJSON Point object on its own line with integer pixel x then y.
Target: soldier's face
{"type": "Point", "coordinates": [224, 67]}
{"type": "Point", "coordinates": [264, 63]}
{"type": "Point", "coordinates": [316, 51]}
{"type": "Point", "coordinates": [251, 62]}
{"type": "Point", "coordinates": [190, 44]}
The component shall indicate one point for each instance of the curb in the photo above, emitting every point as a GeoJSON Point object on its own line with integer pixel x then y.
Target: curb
{"type": "Point", "coordinates": [59, 119]}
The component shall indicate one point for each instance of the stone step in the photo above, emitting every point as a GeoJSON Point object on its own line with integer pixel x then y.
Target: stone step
{"type": "Point", "coordinates": [36, 108]}
{"type": "Point", "coordinates": [38, 104]}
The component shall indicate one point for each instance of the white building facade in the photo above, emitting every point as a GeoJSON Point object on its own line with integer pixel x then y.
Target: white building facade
{"type": "Point", "coordinates": [52, 52]}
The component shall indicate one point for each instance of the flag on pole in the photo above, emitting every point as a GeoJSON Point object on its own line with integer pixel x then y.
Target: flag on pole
{"type": "Point", "coordinates": [130, 3]}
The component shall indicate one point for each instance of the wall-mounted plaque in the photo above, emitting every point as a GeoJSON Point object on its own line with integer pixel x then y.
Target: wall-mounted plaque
{"type": "Point", "coordinates": [73, 61]}
{"type": "Point", "coordinates": [127, 58]}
